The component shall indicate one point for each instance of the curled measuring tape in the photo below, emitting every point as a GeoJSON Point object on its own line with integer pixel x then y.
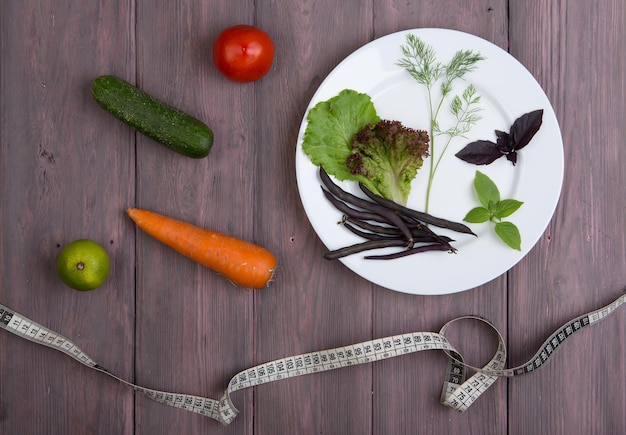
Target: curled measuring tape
{"type": "Point", "coordinates": [458, 392]}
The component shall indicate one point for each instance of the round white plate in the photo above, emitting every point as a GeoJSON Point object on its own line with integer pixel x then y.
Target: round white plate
{"type": "Point", "coordinates": [507, 91]}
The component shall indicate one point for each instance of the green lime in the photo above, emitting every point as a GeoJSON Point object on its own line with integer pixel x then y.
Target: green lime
{"type": "Point", "coordinates": [83, 265]}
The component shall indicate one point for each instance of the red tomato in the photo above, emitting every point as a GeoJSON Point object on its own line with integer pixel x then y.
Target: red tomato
{"type": "Point", "coordinates": [243, 53]}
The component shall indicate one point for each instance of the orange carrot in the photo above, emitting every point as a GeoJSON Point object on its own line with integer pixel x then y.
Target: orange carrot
{"type": "Point", "coordinates": [241, 262]}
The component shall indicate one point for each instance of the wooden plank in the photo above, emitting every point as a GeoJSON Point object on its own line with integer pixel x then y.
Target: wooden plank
{"type": "Point", "coordinates": [67, 172]}
{"type": "Point", "coordinates": [194, 328]}
{"type": "Point", "coordinates": [407, 389]}
{"type": "Point", "coordinates": [313, 304]}
{"type": "Point", "coordinates": [576, 53]}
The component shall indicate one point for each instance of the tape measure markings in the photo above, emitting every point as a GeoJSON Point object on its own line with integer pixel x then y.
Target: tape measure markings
{"type": "Point", "coordinates": [458, 391]}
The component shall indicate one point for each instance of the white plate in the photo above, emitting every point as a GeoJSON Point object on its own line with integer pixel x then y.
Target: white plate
{"type": "Point", "coordinates": [507, 91]}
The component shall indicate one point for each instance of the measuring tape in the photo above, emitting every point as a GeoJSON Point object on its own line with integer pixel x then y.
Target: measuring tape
{"type": "Point", "coordinates": [458, 391]}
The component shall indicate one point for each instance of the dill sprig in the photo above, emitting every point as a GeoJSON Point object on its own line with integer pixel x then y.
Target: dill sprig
{"type": "Point", "coordinates": [420, 61]}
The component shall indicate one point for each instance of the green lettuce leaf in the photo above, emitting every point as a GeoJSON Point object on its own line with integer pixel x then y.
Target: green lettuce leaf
{"type": "Point", "coordinates": [331, 127]}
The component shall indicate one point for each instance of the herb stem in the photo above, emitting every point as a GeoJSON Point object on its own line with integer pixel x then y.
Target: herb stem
{"type": "Point", "coordinates": [434, 161]}
{"type": "Point", "coordinates": [442, 153]}
{"type": "Point", "coordinates": [454, 132]}
{"type": "Point", "coordinates": [431, 172]}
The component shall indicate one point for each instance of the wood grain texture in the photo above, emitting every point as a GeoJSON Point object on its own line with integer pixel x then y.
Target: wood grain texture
{"type": "Point", "coordinates": [579, 262]}
{"type": "Point", "coordinates": [60, 175]}
{"type": "Point", "coordinates": [69, 170]}
{"type": "Point", "coordinates": [313, 304]}
{"type": "Point", "coordinates": [193, 327]}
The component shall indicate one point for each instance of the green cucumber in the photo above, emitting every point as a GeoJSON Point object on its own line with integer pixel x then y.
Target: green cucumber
{"type": "Point", "coordinates": [165, 124]}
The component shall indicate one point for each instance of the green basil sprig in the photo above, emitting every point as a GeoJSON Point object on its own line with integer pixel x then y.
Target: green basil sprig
{"type": "Point", "coordinates": [493, 209]}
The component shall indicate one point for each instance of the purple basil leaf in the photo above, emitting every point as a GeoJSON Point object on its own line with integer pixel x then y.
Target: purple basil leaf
{"type": "Point", "coordinates": [512, 157]}
{"type": "Point", "coordinates": [505, 142]}
{"type": "Point", "coordinates": [481, 152]}
{"type": "Point", "coordinates": [525, 127]}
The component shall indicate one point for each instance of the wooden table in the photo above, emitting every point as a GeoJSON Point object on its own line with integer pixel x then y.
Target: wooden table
{"type": "Point", "coordinates": [69, 170]}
